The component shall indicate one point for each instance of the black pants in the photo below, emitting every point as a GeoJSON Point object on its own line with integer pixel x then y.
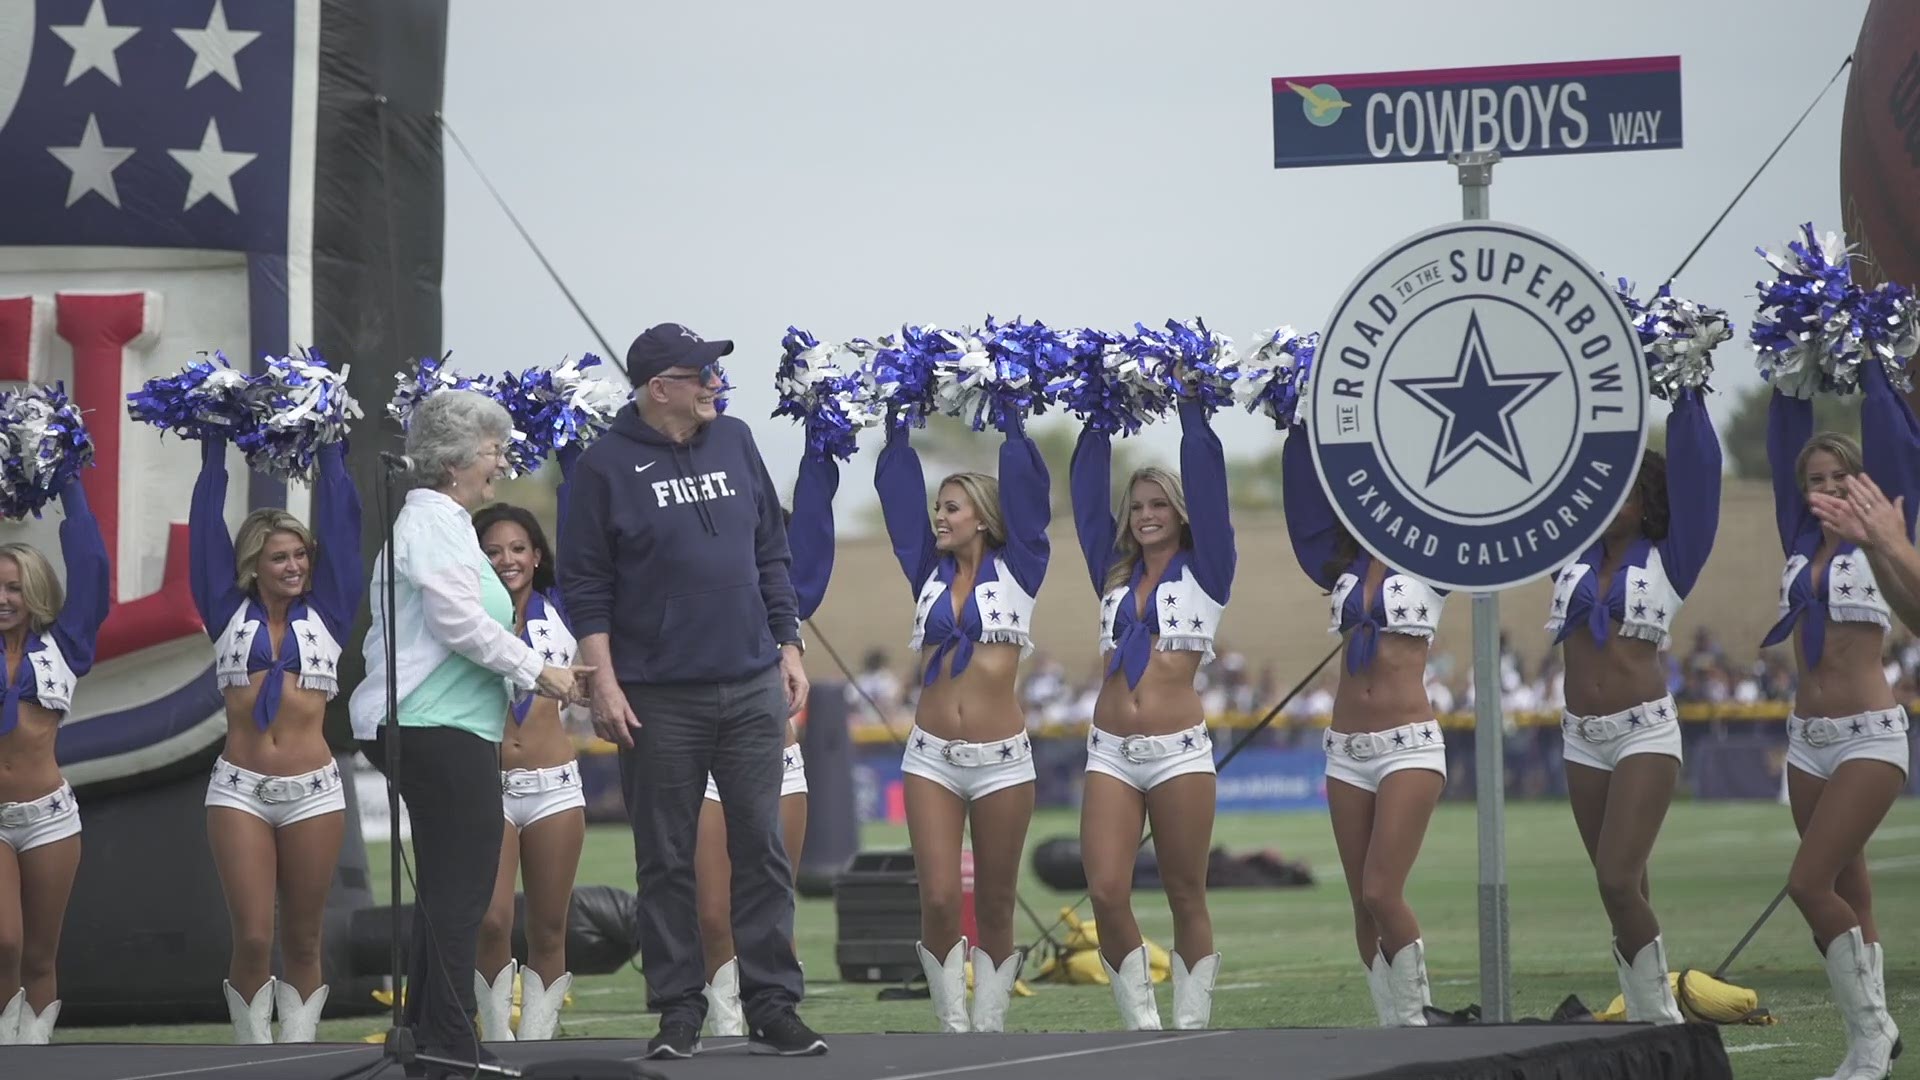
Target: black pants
{"type": "Point", "coordinates": [450, 780]}
{"type": "Point", "coordinates": [736, 731]}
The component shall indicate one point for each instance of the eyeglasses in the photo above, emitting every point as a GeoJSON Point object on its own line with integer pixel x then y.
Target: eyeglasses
{"type": "Point", "coordinates": [705, 375]}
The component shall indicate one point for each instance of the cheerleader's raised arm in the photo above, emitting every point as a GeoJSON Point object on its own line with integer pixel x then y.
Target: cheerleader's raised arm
{"type": "Point", "coordinates": [1693, 491]}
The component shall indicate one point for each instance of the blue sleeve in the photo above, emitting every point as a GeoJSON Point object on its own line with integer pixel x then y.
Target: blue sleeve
{"type": "Point", "coordinates": [1311, 523]}
{"type": "Point", "coordinates": [584, 556]}
{"type": "Point", "coordinates": [216, 591]}
{"type": "Point", "coordinates": [89, 593]}
{"type": "Point", "coordinates": [568, 456]}
{"type": "Point", "coordinates": [1789, 426]}
{"type": "Point", "coordinates": [902, 487]}
{"type": "Point", "coordinates": [1890, 441]}
{"type": "Point", "coordinates": [1203, 472]}
{"type": "Point", "coordinates": [1693, 490]}
{"type": "Point", "coordinates": [772, 553]}
{"type": "Point", "coordinates": [810, 534]}
{"type": "Point", "coordinates": [1090, 480]}
{"type": "Point", "coordinates": [1026, 504]}
{"type": "Point", "coordinates": [340, 577]}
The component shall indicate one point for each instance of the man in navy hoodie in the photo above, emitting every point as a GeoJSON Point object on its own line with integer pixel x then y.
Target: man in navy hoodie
{"type": "Point", "coordinates": [673, 564]}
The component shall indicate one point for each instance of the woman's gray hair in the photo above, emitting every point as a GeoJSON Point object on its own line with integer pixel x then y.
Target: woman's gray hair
{"type": "Point", "coordinates": [447, 429]}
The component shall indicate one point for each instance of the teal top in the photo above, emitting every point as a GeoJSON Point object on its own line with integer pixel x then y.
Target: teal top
{"type": "Point", "coordinates": [460, 693]}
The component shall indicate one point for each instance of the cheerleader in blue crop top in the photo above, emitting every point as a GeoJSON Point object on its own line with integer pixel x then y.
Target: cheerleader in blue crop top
{"type": "Point", "coordinates": [975, 572]}
{"type": "Point", "coordinates": [1163, 582]}
{"type": "Point", "coordinates": [1847, 749]}
{"type": "Point", "coordinates": [1612, 609]}
{"type": "Point", "coordinates": [810, 539]}
{"type": "Point", "coordinates": [1386, 756]}
{"type": "Point", "coordinates": [541, 794]}
{"type": "Point", "coordinates": [277, 606]}
{"type": "Point", "coordinates": [48, 634]}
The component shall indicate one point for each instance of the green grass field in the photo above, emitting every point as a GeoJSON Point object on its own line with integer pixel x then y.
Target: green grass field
{"type": "Point", "coordinates": [1288, 955]}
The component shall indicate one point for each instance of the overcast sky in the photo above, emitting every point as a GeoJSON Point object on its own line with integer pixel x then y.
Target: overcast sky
{"type": "Point", "coordinates": [848, 166]}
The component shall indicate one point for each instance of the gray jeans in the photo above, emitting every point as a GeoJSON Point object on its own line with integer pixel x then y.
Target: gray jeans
{"type": "Point", "coordinates": [736, 731]}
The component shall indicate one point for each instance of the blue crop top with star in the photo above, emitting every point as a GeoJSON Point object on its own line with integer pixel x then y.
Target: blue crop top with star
{"type": "Point", "coordinates": [1654, 576]}
{"type": "Point", "coordinates": [1185, 607]}
{"type": "Point", "coordinates": [1000, 609]}
{"type": "Point", "coordinates": [1847, 592]}
{"type": "Point", "coordinates": [317, 622]}
{"type": "Point", "coordinates": [56, 658]}
{"type": "Point", "coordinates": [1404, 605]}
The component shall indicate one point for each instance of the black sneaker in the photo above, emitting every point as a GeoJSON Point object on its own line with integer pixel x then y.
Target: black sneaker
{"type": "Point", "coordinates": [677, 1039]}
{"type": "Point", "coordinates": [787, 1037]}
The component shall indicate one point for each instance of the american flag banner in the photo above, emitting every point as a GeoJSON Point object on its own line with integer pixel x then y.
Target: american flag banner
{"type": "Point", "coordinates": [168, 170]}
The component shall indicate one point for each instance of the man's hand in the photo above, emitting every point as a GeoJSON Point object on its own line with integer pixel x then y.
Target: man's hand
{"type": "Point", "coordinates": [613, 718]}
{"type": "Point", "coordinates": [794, 675]}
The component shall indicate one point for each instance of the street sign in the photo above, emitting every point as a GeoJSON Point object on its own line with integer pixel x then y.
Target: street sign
{"type": "Point", "coordinates": [1522, 110]}
{"type": "Point", "coordinates": [1478, 406]}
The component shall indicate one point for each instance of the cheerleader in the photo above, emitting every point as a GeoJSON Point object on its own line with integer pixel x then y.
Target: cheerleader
{"type": "Point", "coordinates": [968, 760]}
{"type": "Point", "coordinates": [277, 606]}
{"type": "Point", "coordinates": [49, 640]}
{"type": "Point", "coordinates": [1621, 729]}
{"type": "Point", "coordinates": [1163, 581]}
{"type": "Point", "coordinates": [810, 538]}
{"type": "Point", "coordinates": [1866, 519]}
{"type": "Point", "coordinates": [544, 803]}
{"type": "Point", "coordinates": [1847, 749]}
{"type": "Point", "coordinates": [1386, 756]}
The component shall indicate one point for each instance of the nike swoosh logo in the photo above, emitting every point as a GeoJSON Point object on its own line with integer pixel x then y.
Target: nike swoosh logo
{"type": "Point", "coordinates": [644, 468]}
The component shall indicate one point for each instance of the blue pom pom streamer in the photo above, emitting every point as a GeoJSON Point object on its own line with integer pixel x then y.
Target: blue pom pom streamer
{"type": "Point", "coordinates": [1677, 338]}
{"type": "Point", "coordinates": [1277, 372]}
{"type": "Point", "coordinates": [430, 375]}
{"type": "Point", "coordinates": [1200, 365]}
{"type": "Point", "coordinates": [1110, 387]}
{"type": "Point", "coordinates": [207, 398]}
{"type": "Point", "coordinates": [824, 386]}
{"type": "Point", "coordinates": [555, 407]}
{"type": "Point", "coordinates": [300, 405]}
{"type": "Point", "coordinates": [43, 446]}
{"type": "Point", "coordinates": [1889, 319]}
{"type": "Point", "coordinates": [1805, 332]}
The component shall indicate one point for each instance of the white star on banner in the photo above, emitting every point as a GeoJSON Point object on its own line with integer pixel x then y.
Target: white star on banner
{"type": "Point", "coordinates": [215, 48]}
{"type": "Point", "coordinates": [212, 167]}
{"type": "Point", "coordinates": [92, 164]}
{"type": "Point", "coordinates": [93, 43]}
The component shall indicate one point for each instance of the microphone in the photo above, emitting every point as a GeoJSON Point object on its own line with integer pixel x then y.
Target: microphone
{"type": "Point", "coordinates": [401, 462]}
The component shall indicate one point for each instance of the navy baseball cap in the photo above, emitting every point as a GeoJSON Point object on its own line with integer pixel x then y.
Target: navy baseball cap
{"type": "Point", "coordinates": [670, 345]}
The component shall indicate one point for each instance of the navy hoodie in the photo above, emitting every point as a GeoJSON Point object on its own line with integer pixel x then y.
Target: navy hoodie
{"type": "Point", "coordinates": [678, 552]}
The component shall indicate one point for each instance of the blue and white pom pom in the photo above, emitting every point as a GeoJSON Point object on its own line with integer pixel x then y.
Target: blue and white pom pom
{"type": "Point", "coordinates": [1805, 331]}
{"type": "Point", "coordinates": [1110, 388]}
{"type": "Point", "coordinates": [903, 375]}
{"type": "Point", "coordinates": [1277, 372]}
{"type": "Point", "coordinates": [43, 446]}
{"type": "Point", "coordinates": [1201, 365]}
{"type": "Point", "coordinates": [823, 386]}
{"type": "Point", "coordinates": [1889, 318]}
{"type": "Point", "coordinates": [207, 398]}
{"type": "Point", "coordinates": [428, 376]}
{"type": "Point", "coordinates": [1677, 337]}
{"type": "Point", "coordinates": [300, 405]}
{"type": "Point", "coordinates": [555, 407]}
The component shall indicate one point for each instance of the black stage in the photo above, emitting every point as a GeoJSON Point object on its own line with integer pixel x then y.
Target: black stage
{"type": "Point", "coordinates": [1586, 1051]}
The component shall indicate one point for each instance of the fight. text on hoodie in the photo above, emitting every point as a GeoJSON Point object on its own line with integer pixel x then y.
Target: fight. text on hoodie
{"type": "Point", "coordinates": [677, 551]}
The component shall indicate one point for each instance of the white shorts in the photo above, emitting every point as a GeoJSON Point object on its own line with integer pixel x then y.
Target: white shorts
{"type": "Point", "coordinates": [1818, 746]}
{"type": "Point", "coordinates": [1600, 742]}
{"type": "Point", "coordinates": [793, 775]}
{"type": "Point", "coordinates": [277, 800]}
{"type": "Point", "coordinates": [1144, 762]}
{"type": "Point", "coordinates": [1365, 758]}
{"type": "Point", "coordinates": [969, 770]}
{"type": "Point", "coordinates": [36, 822]}
{"type": "Point", "coordinates": [531, 794]}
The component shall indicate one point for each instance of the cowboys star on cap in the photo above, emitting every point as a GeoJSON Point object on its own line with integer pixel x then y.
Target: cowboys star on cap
{"type": "Point", "coordinates": [1476, 406]}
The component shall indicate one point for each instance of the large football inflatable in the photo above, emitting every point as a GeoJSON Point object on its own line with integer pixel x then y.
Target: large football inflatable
{"type": "Point", "coordinates": [1880, 146]}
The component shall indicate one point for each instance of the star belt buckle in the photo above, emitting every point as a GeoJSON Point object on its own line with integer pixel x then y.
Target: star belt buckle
{"type": "Point", "coordinates": [1136, 748]}
{"type": "Point", "coordinates": [1356, 741]}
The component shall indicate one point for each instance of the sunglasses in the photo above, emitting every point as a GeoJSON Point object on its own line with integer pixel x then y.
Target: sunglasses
{"type": "Point", "coordinates": [705, 375]}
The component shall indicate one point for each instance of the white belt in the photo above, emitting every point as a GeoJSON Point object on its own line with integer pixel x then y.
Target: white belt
{"type": "Point", "coordinates": [1366, 745]}
{"type": "Point", "coordinates": [1141, 749]}
{"type": "Point", "coordinates": [1599, 729]}
{"type": "Point", "coordinates": [275, 789]}
{"type": "Point", "coordinates": [1825, 730]}
{"type": "Point", "coordinates": [19, 815]}
{"type": "Point", "coordinates": [533, 781]}
{"type": "Point", "coordinates": [969, 754]}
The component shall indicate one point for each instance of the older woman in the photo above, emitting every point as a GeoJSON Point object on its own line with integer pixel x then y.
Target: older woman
{"type": "Point", "coordinates": [49, 642]}
{"type": "Point", "coordinates": [277, 606]}
{"type": "Point", "coordinates": [453, 641]}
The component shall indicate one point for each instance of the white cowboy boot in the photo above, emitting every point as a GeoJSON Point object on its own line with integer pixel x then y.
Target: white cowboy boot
{"type": "Point", "coordinates": [1407, 983]}
{"type": "Point", "coordinates": [252, 1020]}
{"type": "Point", "coordinates": [1133, 991]}
{"type": "Point", "coordinates": [495, 1003]}
{"type": "Point", "coordinates": [1645, 985]}
{"type": "Point", "coordinates": [1193, 991]}
{"type": "Point", "coordinates": [298, 1019]}
{"type": "Point", "coordinates": [993, 988]}
{"type": "Point", "coordinates": [947, 984]}
{"type": "Point", "coordinates": [37, 1030]}
{"type": "Point", "coordinates": [1377, 986]}
{"type": "Point", "coordinates": [1870, 1030]}
{"type": "Point", "coordinates": [725, 1016]}
{"type": "Point", "coordinates": [540, 1004]}
{"type": "Point", "coordinates": [10, 1018]}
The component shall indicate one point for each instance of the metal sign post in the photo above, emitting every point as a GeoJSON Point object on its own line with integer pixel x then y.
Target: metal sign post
{"type": "Point", "coordinates": [1489, 723]}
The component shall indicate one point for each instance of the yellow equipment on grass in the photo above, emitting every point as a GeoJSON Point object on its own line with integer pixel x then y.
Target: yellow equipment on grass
{"type": "Point", "coordinates": [1077, 960]}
